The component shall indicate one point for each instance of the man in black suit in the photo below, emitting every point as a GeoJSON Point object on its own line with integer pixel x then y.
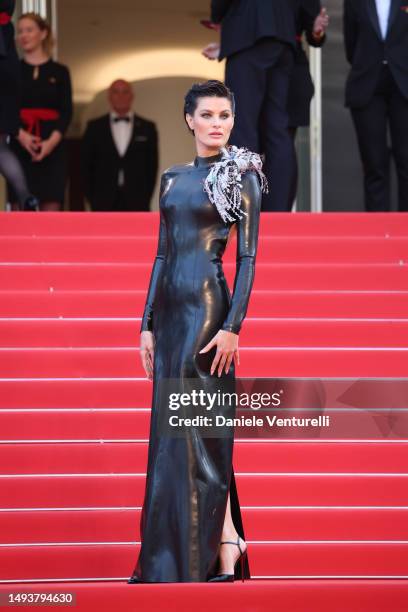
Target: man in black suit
{"type": "Point", "coordinates": [119, 156]}
{"type": "Point", "coordinates": [376, 43]}
{"type": "Point", "coordinates": [258, 38]}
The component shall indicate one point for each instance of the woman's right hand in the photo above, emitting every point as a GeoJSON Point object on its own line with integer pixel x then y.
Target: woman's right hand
{"type": "Point", "coordinates": [29, 142]}
{"type": "Point", "coordinates": [147, 352]}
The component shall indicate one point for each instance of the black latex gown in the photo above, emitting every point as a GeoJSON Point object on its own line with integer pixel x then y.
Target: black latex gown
{"type": "Point", "coordinates": [188, 302]}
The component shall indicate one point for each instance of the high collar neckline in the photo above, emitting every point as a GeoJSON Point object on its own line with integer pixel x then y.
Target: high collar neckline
{"type": "Point", "coordinates": [204, 162]}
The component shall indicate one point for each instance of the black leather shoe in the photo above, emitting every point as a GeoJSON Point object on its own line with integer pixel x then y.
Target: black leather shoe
{"type": "Point", "coordinates": [231, 577]}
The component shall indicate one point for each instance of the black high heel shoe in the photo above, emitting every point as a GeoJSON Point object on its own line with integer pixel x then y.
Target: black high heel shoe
{"type": "Point", "coordinates": [134, 580]}
{"type": "Point", "coordinates": [241, 558]}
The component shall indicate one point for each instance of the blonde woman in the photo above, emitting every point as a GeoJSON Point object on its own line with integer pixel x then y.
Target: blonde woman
{"type": "Point", "coordinates": [46, 111]}
{"type": "Point", "coordinates": [10, 167]}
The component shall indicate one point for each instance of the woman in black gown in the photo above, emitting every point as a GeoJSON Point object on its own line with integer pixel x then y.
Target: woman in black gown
{"type": "Point", "coordinates": [312, 22]}
{"type": "Point", "coordinates": [10, 92]}
{"type": "Point", "coordinates": [45, 114]}
{"type": "Point", "coordinates": [190, 330]}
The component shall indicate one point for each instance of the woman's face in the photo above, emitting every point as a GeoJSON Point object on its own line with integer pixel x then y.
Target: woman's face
{"type": "Point", "coordinates": [212, 122]}
{"type": "Point", "coordinates": [29, 35]}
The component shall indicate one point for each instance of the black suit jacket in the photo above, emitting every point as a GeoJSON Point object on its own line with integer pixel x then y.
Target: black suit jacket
{"type": "Point", "coordinates": [246, 21]}
{"type": "Point", "coordinates": [366, 51]}
{"type": "Point", "coordinates": [101, 162]}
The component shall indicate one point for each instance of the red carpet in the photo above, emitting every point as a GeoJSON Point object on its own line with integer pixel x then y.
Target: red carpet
{"type": "Point", "coordinates": [326, 520]}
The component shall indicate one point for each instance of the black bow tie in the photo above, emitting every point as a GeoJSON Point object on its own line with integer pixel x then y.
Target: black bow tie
{"type": "Point", "coordinates": [116, 119]}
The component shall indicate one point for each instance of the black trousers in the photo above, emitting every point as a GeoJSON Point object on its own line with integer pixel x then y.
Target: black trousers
{"type": "Point", "coordinates": [119, 203]}
{"type": "Point", "coordinates": [387, 109]}
{"type": "Point", "coordinates": [259, 77]}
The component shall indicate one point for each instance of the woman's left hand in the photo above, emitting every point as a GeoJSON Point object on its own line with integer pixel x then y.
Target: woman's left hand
{"type": "Point", "coordinates": [227, 350]}
{"type": "Point", "coordinates": [47, 146]}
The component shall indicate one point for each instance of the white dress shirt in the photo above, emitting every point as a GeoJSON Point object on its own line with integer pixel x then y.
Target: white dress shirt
{"type": "Point", "coordinates": [121, 134]}
{"type": "Point", "coordinates": [383, 11]}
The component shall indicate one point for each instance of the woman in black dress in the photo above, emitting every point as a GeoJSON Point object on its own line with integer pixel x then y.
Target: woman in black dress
{"type": "Point", "coordinates": [10, 85]}
{"type": "Point", "coordinates": [45, 114]}
{"type": "Point", "coordinates": [311, 21]}
{"type": "Point", "coordinates": [189, 330]}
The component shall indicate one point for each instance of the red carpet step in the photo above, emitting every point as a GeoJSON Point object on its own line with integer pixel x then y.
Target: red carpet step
{"type": "Point", "coordinates": [255, 332]}
{"type": "Point", "coordinates": [145, 224]}
{"type": "Point", "coordinates": [142, 249]}
{"type": "Point", "coordinates": [300, 523]}
{"type": "Point", "coordinates": [270, 303]}
{"type": "Point", "coordinates": [249, 455]}
{"type": "Point", "coordinates": [125, 276]}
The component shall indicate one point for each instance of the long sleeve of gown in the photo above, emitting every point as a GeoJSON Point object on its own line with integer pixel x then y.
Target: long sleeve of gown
{"type": "Point", "coordinates": [147, 318]}
{"type": "Point", "coordinates": [247, 245]}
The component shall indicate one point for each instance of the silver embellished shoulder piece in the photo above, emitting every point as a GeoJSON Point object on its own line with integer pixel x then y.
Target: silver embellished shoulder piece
{"type": "Point", "coordinates": [223, 183]}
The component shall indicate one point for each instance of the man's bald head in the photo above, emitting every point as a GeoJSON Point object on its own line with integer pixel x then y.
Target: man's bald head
{"type": "Point", "coordinates": [120, 96]}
